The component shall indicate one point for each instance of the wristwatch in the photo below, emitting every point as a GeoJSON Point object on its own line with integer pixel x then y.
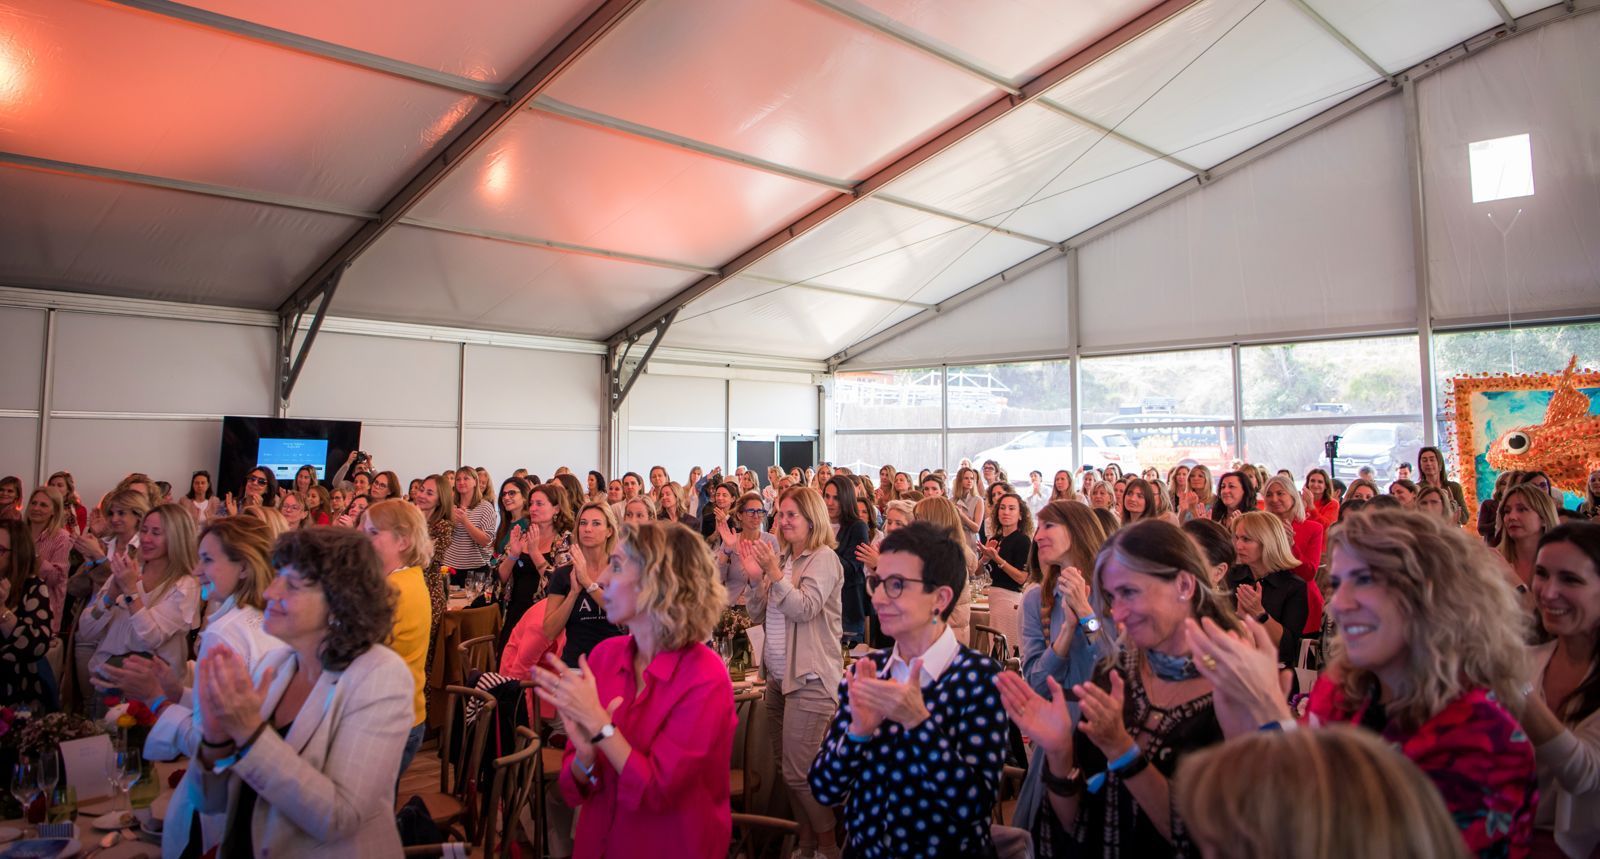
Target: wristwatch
{"type": "Point", "coordinates": [1090, 624]}
{"type": "Point", "coordinates": [605, 733]}
{"type": "Point", "coordinates": [1263, 617]}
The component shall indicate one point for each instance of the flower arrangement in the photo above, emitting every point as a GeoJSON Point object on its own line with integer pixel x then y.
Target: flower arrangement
{"type": "Point", "coordinates": [125, 715]}
{"type": "Point", "coordinates": [733, 642]}
{"type": "Point", "coordinates": [49, 731]}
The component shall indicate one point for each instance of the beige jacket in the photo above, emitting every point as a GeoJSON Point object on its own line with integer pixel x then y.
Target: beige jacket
{"type": "Point", "coordinates": [327, 789]}
{"type": "Point", "coordinates": [809, 596]}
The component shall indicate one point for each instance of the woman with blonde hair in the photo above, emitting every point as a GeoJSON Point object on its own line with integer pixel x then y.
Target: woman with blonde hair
{"type": "Point", "coordinates": [796, 594]}
{"type": "Point", "coordinates": [1525, 513]}
{"type": "Point", "coordinates": [1196, 495]}
{"type": "Point", "coordinates": [575, 587]}
{"type": "Point", "coordinates": [1329, 794]}
{"type": "Point", "coordinates": [271, 516]}
{"type": "Point", "coordinates": [649, 715]}
{"type": "Point", "coordinates": [400, 539]}
{"type": "Point", "coordinates": [1360, 489]}
{"type": "Point", "coordinates": [151, 599]}
{"type": "Point", "coordinates": [1429, 654]}
{"type": "Point", "coordinates": [1265, 585]}
{"type": "Point", "coordinates": [944, 513]}
{"type": "Point", "coordinates": [1108, 776]}
{"type": "Point", "coordinates": [967, 493]}
{"type": "Point", "coordinates": [671, 497]}
{"type": "Point", "coordinates": [46, 516]}
{"type": "Point", "coordinates": [234, 573]}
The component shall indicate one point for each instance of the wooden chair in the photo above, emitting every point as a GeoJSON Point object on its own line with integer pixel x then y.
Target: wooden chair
{"type": "Point", "coordinates": [753, 835]}
{"type": "Point", "coordinates": [511, 791]}
{"type": "Point", "coordinates": [475, 654]}
{"type": "Point", "coordinates": [744, 782]}
{"type": "Point", "coordinates": [993, 643]}
{"type": "Point", "coordinates": [456, 805]}
{"type": "Point", "coordinates": [1005, 801]}
{"type": "Point", "coordinates": [548, 763]}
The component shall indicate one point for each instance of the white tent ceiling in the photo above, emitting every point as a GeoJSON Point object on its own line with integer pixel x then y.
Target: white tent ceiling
{"type": "Point", "coordinates": [810, 171]}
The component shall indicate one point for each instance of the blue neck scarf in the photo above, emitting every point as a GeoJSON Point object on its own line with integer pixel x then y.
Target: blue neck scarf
{"type": "Point", "coordinates": [1173, 669]}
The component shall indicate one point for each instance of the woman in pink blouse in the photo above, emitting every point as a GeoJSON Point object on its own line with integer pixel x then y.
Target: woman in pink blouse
{"type": "Point", "coordinates": [649, 716]}
{"type": "Point", "coordinates": [47, 522]}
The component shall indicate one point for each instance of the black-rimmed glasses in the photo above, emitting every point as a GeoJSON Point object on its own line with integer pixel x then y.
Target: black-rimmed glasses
{"type": "Point", "coordinates": [752, 511]}
{"type": "Point", "coordinates": [894, 586]}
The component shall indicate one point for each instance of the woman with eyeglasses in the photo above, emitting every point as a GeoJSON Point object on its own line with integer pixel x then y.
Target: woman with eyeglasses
{"type": "Point", "coordinates": [748, 517]}
{"type": "Point", "coordinates": [796, 595]}
{"type": "Point", "coordinates": [385, 485]}
{"type": "Point", "coordinates": [916, 749]}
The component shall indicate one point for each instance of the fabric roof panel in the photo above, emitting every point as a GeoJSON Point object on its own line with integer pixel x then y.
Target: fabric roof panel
{"type": "Point", "coordinates": [425, 276]}
{"type": "Point", "coordinates": [892, 251]}
{"type": "Point", "coordinates": [1109, 178]}
{"type": "Point", "coordinates": [113, 87]}
{"type": "Point", "coordinates": [616, 192]}
{"type": "Point", "coordinates": [1400, 35]}
{"type": "Point", "coordinates": [1016, 39]}
{"type": "Point", "coordinates": [494, 41]}
{"type": "Point", "coordinates": [1268, 59]}
{"type": "Point", "coordinates": [785, 81]}
{"type": "Point", "coordinates": [759, 318]}
{"type": "Point", "coordinates": [86, 235]}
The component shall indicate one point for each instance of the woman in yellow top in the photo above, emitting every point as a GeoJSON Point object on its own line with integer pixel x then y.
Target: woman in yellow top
{"type": "Point", "coordinates": [399, 535]}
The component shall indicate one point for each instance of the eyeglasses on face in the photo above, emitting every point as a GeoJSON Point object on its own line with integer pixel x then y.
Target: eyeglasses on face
{"type": "Point", "coordinates": [253, 480]}
{"type": "Point", "coordinates": [894, 586]}
{"type": "Point", "coordinates": [752, 511]}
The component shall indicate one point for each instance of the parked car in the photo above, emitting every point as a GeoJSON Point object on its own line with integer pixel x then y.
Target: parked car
{"type": "Point", "coordinates": [1049, 451]}
{"type": "Point", "coordinates": [1383, 446]}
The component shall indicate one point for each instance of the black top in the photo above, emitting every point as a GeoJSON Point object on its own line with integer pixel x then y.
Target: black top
{"type": "Point", "coordinates": [1283, 597]}
{"type": "Point", "coordinates": [1014, 551]}
{"type": "Point", "coordinates": [526, 585]}
{"type": "Point", "coordinates": [849, 539]}
{"type": "Point", "coordinates": [1110, 823]}
{"type": "Point", "coordinates": [587, 626]}
{"type": "Point", "coordinates": [239, 839]}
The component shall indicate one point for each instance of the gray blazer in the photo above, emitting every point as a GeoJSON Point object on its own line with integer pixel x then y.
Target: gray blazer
{"type": "Point", "coordinates": [329, 785]}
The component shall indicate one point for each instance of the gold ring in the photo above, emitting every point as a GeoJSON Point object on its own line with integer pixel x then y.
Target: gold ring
{"type": "Point", "coordinates": [1209, 661]}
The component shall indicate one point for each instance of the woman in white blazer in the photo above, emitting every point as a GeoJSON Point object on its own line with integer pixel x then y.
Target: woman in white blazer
{"type": "Point", "coordinates": [301, 753]}
{"type": "Point", "coordinates": [234, 573]}
{"type": "Point", "coordinates": [1562, 716]}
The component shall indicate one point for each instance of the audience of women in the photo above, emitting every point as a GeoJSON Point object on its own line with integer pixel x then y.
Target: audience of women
{"type": "Point", "coordinates": [796, 596]}
{"type": "Point", "coordinates": [574, 593]}
{"type": "Point", "coordinates": [916, 748]}
{"type": "Point", "coordinates": [25, 619]}
{"type": "Point", "coordinates": [399, 537]}
{"type": "Point", "coordinates": [649, 715]}
{"type": "Point", "coordinates": [300, 753]}
{"type": "Point", "coordinates": [1108, 776]}
{"type": "Point", "coordinates": [1429, 654]}
{"type": "Point", "coordinates": [150, 600]}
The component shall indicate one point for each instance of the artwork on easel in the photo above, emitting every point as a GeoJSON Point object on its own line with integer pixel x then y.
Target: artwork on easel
{"type": "Point", "coordinates": [1546, 422]}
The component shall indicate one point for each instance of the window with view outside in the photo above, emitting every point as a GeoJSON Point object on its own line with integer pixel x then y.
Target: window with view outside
{"type": "Point", "coordinates": [1017, 452]}
{"type": "Point", "coordinates": [888, 399]}
{"type": "Point", "coordinates": [1369, 376]}
{"type": "Point", "coordinates": [1528, 349]}
{"type": "Point", "coordinates": [866, 453]}
{"type": "Point", "coordinates": [1382, 444]}
{"type": "Point", "coordinates": [1034, 393]}
{"type": "Point", "coordinates": [1158, 409]}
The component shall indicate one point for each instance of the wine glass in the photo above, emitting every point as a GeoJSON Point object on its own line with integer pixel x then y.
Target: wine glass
{"type": "Point", "coordinates": [25, 786]}
{"type": "Point", "coordinates": [126, 768]}
{"type": "Point", "coordinates": [49, 775]}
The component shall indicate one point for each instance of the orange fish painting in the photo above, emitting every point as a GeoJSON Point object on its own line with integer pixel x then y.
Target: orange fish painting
{"type": "Point", "coordinates": [1565, 446]}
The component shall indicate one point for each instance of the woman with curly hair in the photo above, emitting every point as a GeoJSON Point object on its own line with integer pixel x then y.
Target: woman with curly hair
{"type": "Point", "coordinates": [301, 754]}
{"type": "Point", "coordinates": [1429, 654]}
{"type": "Point", "coordinates": [650, 770]}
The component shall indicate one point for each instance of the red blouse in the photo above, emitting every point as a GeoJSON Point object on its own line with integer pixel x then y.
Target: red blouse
{"type": "Point", "coordinates": [1474, 752]}
{"type": "Point", "coordinates": [672, 794]}
{"type": "Point", "coordinates": [1326, 512]}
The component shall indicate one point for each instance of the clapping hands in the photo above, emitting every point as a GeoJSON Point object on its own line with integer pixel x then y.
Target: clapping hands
{"type": "Point", "coordinates": [874, 701]}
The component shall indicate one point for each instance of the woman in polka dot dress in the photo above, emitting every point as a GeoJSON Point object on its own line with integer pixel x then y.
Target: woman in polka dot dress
{"type": "Point", "coordinates": [916, 749]}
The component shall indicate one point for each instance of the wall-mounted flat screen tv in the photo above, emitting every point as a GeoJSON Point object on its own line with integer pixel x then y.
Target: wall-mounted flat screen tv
{"type": "Point", "coordinates": [283, 445]}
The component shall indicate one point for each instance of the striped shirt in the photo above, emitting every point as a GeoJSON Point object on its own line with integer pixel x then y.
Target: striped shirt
{"type": "Point", "coordinates": [464, 554]}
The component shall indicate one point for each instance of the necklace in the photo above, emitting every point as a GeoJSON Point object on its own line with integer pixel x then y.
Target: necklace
{"type": "Point", "coordinates": [1173, 669]}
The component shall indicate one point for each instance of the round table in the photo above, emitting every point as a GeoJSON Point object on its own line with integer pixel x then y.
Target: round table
{"type": "Point", "coordinates": [132, 843]}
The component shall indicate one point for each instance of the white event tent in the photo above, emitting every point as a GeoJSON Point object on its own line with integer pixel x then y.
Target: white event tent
{"type": "Point", "coordinates": [620, 232]}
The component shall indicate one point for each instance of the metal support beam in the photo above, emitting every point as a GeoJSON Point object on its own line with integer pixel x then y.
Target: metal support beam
{"type": "Point", "coordinates": [1238, 402]}
{"type": "Point", "coordinates": [1342, 39]}
{"type": "Point", "coordinates": [617, 387]}
{"type": "Point", "coordinates": [988, 114]}
{"type": "Point", "coordinates": [888, 27]}
{"type": "Point", "coordinates": [47, 387]}
{"type": "Point", "coordinates": [1526, 24]}
{"type": "Point", "coordinates": [290, 359]}
{"type": "Point", "coordinates": [1075, 356]}
{"type": "Point", "coordinates": [580, 40]}
{"type": "Point", "coordinates": [1419, 254]}
{"type": "Point", "coordinates": [1504, 13]}
{"type": "Point", "coordinates": [315, 47]}
{"type": "Point", "coordinates": [1118, 136]}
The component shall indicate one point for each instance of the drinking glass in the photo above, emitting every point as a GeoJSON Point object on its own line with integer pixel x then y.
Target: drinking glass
{"type": "Point", "coordinates": [25, 786]}
{"type": "Point", "coordinates": [49, 774]}
{"type": "Point", "coordinates": [126, 767]}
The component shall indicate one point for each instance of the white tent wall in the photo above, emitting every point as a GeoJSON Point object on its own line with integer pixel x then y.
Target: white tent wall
{"type": "Point", "coordinates": [682, 415]}
{"type": "Point", "coordinates": [146, 389]}
{"type": "Point", "coordinates": [1527, 255]}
